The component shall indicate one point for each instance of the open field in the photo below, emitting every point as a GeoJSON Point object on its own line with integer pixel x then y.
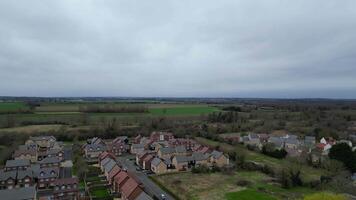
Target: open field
{"type": "Point", "coordinates": [12, 107]}
{"type": "Point", "coordinates": [224, 186]}
{"type": "Point", "coordinates": [308, 173]}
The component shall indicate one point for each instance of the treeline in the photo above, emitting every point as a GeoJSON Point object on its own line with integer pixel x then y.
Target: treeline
{"type": "Point", "coordinates": [223, 117]}
{"type": "Point", "coordinates": [112, 108]}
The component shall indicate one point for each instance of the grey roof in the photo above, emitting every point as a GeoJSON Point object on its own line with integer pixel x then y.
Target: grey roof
{"type": "Point", "coordinates": [180, 149]}
{"type": "Point", "coordinates": [198, 156]}
{"type": "Point", "coordinates": [24, 173]}
{"type": "Point", "coordinates": [182, 159]}
{"type": "Point", "coordinates": [216, 154]}
{"type": "Point", "coordinates": [49, 160]}
{"type": "Point", "coordinates": [109, 165]}
{"type": "Point", "coordinates": [169, 150]}
{"type": "Point", "coordinates": [95, 147]}
{"type": "Point", "coordinates": [19, 193]}
{"type": "Point", "coordinates": [52, 172]}
{"type": "Point", "coordinates": [291, 141]}
{"type": "Point", "coordinates": [167, 161]}
{"type": "Point", "coordinates": [4, 175]}
{"type": "Point", "coordinates": [277, 141]}
{"type": "Point", "coordinates": [292, 137]}
{"type": "Point", "coordinates": [156, 161]}
{"type": "Point", "coordinates": [17, 163]}
{"type": "Point", "coordinates": [138, 146]}
{"type": "Point", "coordinates": [253, 136]}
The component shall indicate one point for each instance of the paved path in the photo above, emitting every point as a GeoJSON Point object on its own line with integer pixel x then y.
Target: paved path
{"type": "Point", "coordinates": [150, 187]}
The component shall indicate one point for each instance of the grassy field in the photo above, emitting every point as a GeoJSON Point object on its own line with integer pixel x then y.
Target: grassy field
{"type": "Point", "coordinates": [308, 173]}
{"type": "Point", "coordinates": [180, 110]}
{"type": "Point", "coordinates": [12, 106]}
{"type": "Point", "coordinates": [224, 186]}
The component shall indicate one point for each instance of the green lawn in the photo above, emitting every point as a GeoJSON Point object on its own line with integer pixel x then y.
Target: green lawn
{"type": "Point", "coordinates": [248, 195]}
{"type": "Point", "coordinates": [12, 106]}
{"type": "Point", "coordinates": [100, 193]}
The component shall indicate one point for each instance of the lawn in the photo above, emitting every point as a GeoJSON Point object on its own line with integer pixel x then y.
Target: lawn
{"type": "Point", "coordinates": [213, 186]}
{"type": "Point", "coordinates": [248, 195]}
{"type": "Point", "coordinates": [12, 107]}
{"type": "Point", "coordinates": [100, 192]}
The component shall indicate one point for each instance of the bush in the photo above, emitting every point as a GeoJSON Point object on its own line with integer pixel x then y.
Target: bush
{"type": "Point", "coordinates": [243, 183]}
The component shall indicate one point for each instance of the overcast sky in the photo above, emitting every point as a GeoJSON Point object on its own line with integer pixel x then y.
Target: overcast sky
{"type": "Point", "coordinates": [182, 48]}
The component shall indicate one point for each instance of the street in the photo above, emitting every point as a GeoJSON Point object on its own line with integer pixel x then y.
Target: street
{"type": "Point", "coordinates": [150, 187]}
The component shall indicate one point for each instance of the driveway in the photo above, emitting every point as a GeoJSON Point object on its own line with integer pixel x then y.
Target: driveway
{"type": "Point", "coordinates": [150, 187]}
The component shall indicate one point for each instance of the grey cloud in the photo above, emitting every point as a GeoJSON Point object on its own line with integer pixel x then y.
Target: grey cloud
{"type": "Point", "coordinates": [178, 48]}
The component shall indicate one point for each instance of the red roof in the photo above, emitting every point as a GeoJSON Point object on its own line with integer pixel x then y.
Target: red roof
{"type": "Point", "coordinates": [114, 171]}
{"type": "Point", "coordinates": [121, 177]}
{"type": "Point", "coordinates": [129, 187]}
{"type": "Point", "coordinates": [320, 145]}
{"type": "Point", "coordinates": [66, 181]}
{"type": "Point", "coordinates": [105, 154]}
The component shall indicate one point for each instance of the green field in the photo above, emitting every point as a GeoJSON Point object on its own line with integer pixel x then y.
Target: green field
{"type": "Point", "coordinates": [12, 107]}
{"type": "Point", "coordinates": [248, 195]}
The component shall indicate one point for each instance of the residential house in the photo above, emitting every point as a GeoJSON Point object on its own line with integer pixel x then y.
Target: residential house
{"type": "Point", "coordinates": [277, 142]}
{"type": "Point", "coordinates": [50, 162]}
{"type": "Point", "coordinates": [137, 148]}
{"type": "Point", "coordinates": [146, 163]}
{"type": "Point", "coordinates": [160, 136]}
{"type": "Point", "coordinates": [158, 166]}
{"type": "Point", "coordinates": [57, 152]}
{"type": "Point", "coordinates": [43, 142]}
{"type": "Point", "coordinates": [263, 137]}
{"type": "Point", "coordinates": [66, 188]}
{"type": "Point", "coordinates": [25, 193]}
{"type": "Point", "coordinates": [291, 143]}
{"type": "Point", "coordinates": [219, 159]}
{"type": "Point", "coordinates": [131, 190]}
{"type": "Point", "coordinates": [169, 152]}
{"type": "Point", "coordinates": [19, 164]}
{"type": "Point", "coordinates": [104, 155]}
{"type": "Point", "coordinates": [46, 177]}
{"type": "Point", "coordinates": [25, 178]}
{"type": "Point", "coordinates": [25, 154]}
{"type": "Point", "coordinates": [119, 181]}
{"type": "Point", "coordinates": [113, 172]}
{"type": "Point", "coordinates": [119, 145]}
{"type": "Point", "coordinates": [92, 151]}
{"type": "Point", "coordinates": [108, 167]}
{"type": "Point", "coordinates": [309, 142]}
{"type": "Point", "coordinates": [253, 140]}
{"type": "Point", "coordinates": [7, 179]}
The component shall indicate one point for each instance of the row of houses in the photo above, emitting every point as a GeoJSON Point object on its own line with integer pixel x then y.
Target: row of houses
{"type": "Point", "coordinates": [162, 153]}
{"type": "Point", "coordinates": [37, 164]}
{"type": "Point", "coordinates": [121, 182]}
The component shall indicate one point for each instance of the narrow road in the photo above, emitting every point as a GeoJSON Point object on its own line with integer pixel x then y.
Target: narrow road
{"type": "Point", "coordinates": [150, 187]}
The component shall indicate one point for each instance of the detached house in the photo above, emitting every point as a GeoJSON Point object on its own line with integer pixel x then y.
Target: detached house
{"type": "Point", "coordinates": [158, 166]}
{"type": "Point", "coordinates": [119, 181]}
{"type": "Point", "coordinates": [137, 148]}
{"type": "Point", "coordinates": [43, 142]}
{"type": "Point", "coordinates": [92, 151]}
{"type": "Point", "coordinates": [130, 190]}
{"type": "Point", "coordinates": [219, 159]}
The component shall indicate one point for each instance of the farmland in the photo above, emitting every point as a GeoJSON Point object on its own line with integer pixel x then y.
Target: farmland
{"type": "Point", "coordinates": [69, 113]}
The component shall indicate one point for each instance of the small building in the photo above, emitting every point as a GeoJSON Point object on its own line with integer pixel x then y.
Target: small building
{"type": "Point", "coordinates": [219, 159]}
{"type": "Point", "coordinates": [158, 166]}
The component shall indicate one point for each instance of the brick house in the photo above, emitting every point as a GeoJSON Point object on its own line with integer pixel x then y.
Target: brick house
{"type": "Point", "coordinates": [7, 179]}
{"type": "Point", "coordinates": [219, 159]}
{"type": "Point", "coordinates": [119, 181]}
{"type": "Point", "coordinates": [158, 166]}
{"type": "Point", "coordinates": [25, 178]}
{"type": "Point", "coordinates": [130, 190]}
{"type": "Point", "coordinates": [66, 188]}
{"type": "Point", "coordinates": [25, 154]}
{"type": "Point", "coordinates": [46, 177]}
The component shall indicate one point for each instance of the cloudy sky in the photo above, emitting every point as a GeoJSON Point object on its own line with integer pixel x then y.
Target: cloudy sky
{"type": "Point", "coordinates": [182, 48]}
